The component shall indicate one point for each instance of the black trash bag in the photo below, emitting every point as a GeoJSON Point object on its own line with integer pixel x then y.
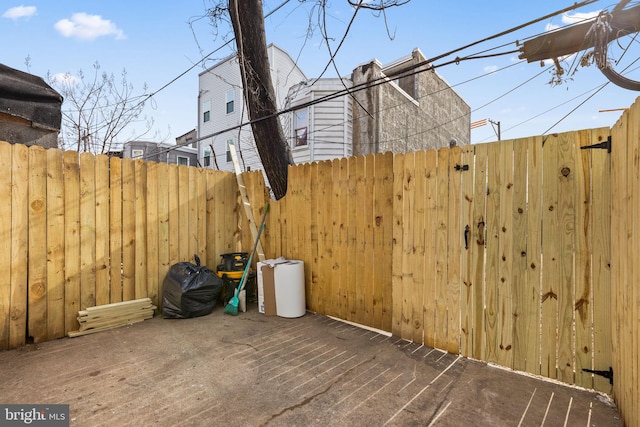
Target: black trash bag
{"type": "Point", "coordinates": [189, 290]}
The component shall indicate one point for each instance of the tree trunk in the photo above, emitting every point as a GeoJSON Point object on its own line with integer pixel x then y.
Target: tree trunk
{"type": "Point", "coordinates": [248, 25]}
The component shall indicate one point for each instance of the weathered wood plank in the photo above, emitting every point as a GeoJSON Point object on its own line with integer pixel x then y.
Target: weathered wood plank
{"type": "Point", "coordinates": [19, 246]}
{"type": "Point", "coordinates": [102, 229]}
{"type": "Point", "coordinates": [55, 244]}
{"type": "Point", "coordinates": [505, 255]}
{"type": "Point", "coordinates": [5, 244]}
{"type": "Point", "coordinates": [163, 227]}
{"type": "Point", "coordinates": [182, 234]}
{"type": "Point", "coordinates": [455, 238]}
{"type": "Point", "coordinates": [408, 245]}
{"type": "Point", "coordinates": [583, 300]}
{"type": "Point", "coordinates": [365, 261]}
{"type": "Point", "coordinates": [441, 251]}
{"type": "Point", "coordinates": [550, 260]}
{"type": "Point", "coordinates": [418, 249]}
{"type": "Point", "coordinates": [140, 243]}
{"type": "Point", "coordinates": [467, 287]}
{"type": "Point", "coordinates": [71, 239]}
{"type": "Point", "coordinates": [521, 294]}
{"type": "Point", "coordinates": [478, 251]}
{"type": "Point", "coordinates": [37, 249]}
{"type": "Point", "coordinates": [522, 307]}
{"type": "Point", "coordinates": [528, 345]}
{"type": "Point", "coordinates": [397, 254]}
{"type": "Point", "coordinates": [430, 227]}
{"type": "Point", "coordinates": [383, 240]}
{"type": "Point", "coordinates": [601, 261]}
{"type": "Point", "coordinates": [115, 235]}
{"type": "Point", "coordinates": [566, 236]}
{"type": "Point", "coordinates": [152, 222]}
{"type": "Point", "coordinates": [173, 187]}
{"type": "Point", "coordinates": [87, 230]}
{"type": "Point", "coordinates": [128, 230]}
{"type": "Point", "coordinates": [495, 179]}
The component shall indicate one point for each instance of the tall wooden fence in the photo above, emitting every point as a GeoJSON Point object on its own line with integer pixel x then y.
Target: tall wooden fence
{"type": "Point", "coordinates": [625, 262]}
{"type": "Point", "coordinates": [497, 251]}
{"type": "Point", "coordinates": [523, 253]}
{"type": "Point", "coordinates": [79, 231]}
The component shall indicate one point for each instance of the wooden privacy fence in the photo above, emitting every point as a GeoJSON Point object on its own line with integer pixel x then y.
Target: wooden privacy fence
{"type": "Point", "coordinates": [84, 230]}
{"type": "Point", "coordinates": [625, 261]}
{"type": "Point", "coordinates": [522, 253]}
{"type": "Point", "coordinates": [495, 251]}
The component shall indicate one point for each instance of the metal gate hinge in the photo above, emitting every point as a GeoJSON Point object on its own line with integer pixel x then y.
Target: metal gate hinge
{"type": "Point", "coordinates": [607, 374]}
{"type": "Point", "coordinates": [605, 145]}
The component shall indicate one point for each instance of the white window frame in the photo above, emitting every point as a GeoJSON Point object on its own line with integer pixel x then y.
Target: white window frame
{"type": "Point", "coordinates": [206, 114]}
{"type": "Point", "coordinates": [230, 101]}
{"type": "Point", "coordinates": [182, 157]}
{"type": "Point", "coordinates": [298, 128]}
{"type": "Point", "coordinates": [137, 153]}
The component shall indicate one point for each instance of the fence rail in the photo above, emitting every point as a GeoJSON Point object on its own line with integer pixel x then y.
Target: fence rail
{"type": "Point", "coordinates": [523, 253]}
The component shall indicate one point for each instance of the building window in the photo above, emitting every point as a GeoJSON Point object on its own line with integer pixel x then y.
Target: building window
{"type": "Point", "coordinates": [231, 97]}
{"type": "Point", "coordinates": [137, 154]}
{"type": "Point", "coordinates": [229, 143]}
{"type": "Point", "coordinates": [183, 160]}
{"type": "Point", "coordinates": [207, 157]}
{"type": "Point", "coordinates": [300, 124]}
{"type": "Point", "coordinates": [206, 115]}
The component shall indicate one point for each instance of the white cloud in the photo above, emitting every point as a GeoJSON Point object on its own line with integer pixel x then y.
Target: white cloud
{"type": "Point", "coordinates": [551, 27]}
{"type": "Point", "coordinates": [490, 69]}
{"type": "Point", "coordinates": [88, 27]}
{"type": "Point", "coordinates": [19, 12]}
{"type": "Point", "coordinates": [64, 79]}
{"type": "Point", "coordinates": [578, 17]}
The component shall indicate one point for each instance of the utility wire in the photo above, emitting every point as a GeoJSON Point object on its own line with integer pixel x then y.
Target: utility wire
{"type": "Point", "coordinates": [400, 73]}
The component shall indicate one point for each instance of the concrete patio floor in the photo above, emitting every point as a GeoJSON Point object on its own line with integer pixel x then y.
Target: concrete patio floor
{"type": "Point", "coordinates": [253, 370]}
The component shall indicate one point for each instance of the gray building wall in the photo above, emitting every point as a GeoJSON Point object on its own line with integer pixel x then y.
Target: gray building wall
{"type": "Point", "coordinates": [417, 112]}
{"type": "Point", "coordinates": [161, 153]}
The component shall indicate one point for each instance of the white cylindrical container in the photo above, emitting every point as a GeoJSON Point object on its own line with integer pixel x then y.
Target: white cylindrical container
{"type": "Point", "coordinates": [289, 289]}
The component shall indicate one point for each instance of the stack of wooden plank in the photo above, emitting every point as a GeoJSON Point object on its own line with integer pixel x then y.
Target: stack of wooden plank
{"type": "Point", "coordinates": [109, 316]}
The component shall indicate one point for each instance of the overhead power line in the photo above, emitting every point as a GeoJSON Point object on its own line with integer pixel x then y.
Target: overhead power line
{"type": "Point", "coordinates": [405, 72]}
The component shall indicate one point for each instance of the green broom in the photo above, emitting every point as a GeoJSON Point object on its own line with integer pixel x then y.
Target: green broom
{"type": "Point", "coordinates": [232, 306]}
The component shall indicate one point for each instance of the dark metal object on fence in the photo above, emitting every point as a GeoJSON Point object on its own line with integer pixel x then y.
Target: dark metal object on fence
{"type": "Point", "coordinates": [607, 374]}
{"type": "Point", "coordinates": [605, 145]}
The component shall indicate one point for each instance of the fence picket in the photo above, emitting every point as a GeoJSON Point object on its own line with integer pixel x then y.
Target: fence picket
{"type": "Point", "coordinates": [71, 240]}
{"type": "Point", "coordinates": [522, 294]}
{"type": "Point", "coordinates": [87, 231]}
{"type": "Point", "coordinates": [55, 244]}
{"type": "Point", "coordinates": [478, 251]}
{"type": "Point", "coordinates": [455, 238]}
{"type": "Point", "coordinates": [37, 230]}
{"type": "Point", "coordinates": [583, 315]}
{"type": "Point", "coordinates": [467, 288]}
{"type": "Point", "coordinates": [152, 223]}
{"type": "Point", "coordinates": [19, 246]}
{"type": "Point", "coordinates": [418, 249]}
{"type": "Point", "coordinates": [102, 229]}
{"type": "Point", "coordinates": [408, 263]}
{"type": "Point", "coordinates": [550, 258]}
{"type": "Point", "coordinates": [115, 228]}
{"type": "Point", "coordinates": [505, 282]}
{"type": "Point", "coordinates": [527, 352]}
{"type": "Point", "coordinates": [495, 177]}
{"type": "Point", "coordinates": [441, 250]}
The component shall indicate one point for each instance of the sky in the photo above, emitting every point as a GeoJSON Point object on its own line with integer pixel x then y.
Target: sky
{"type": "Point", "coordinates": [161, 44]}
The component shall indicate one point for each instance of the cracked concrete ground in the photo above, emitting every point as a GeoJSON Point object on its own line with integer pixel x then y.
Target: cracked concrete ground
{"type": "Point", "coordinates": [253, 370]}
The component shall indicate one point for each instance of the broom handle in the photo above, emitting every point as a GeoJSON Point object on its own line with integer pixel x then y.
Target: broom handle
{"type": "Point", "coordinates": [255, 246]}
